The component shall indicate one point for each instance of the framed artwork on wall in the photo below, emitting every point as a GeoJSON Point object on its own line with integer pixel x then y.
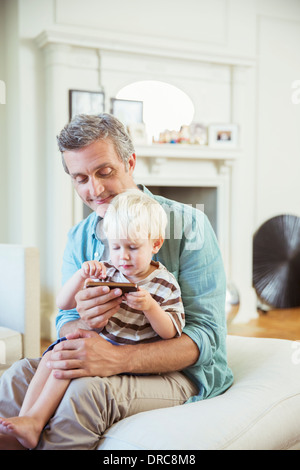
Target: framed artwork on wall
{"type": "Point", "coordinates": [85, 102]}
{"type": "Point", "coordinates": [127, 111]}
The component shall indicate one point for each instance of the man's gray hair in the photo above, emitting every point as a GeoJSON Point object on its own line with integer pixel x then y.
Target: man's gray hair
{"type": "Point", "coordinates": [85, 129]}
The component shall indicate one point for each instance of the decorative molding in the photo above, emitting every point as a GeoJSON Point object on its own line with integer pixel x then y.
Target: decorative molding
{"type": "Point", "coordinates": [224, 166]}
{"type": "Point", "coordinates": [182, 151]}
{"type": "Point", "coordinates": [145, 46]}
{"type": "Point", "coordinates": [154, 164]}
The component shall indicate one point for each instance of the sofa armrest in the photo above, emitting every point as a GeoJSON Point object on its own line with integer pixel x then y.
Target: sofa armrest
{"type": "Point", "coordinates": [20, 294]}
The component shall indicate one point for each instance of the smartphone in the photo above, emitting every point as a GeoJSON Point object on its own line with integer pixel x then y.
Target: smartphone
{"type": "Point", "coordinates": [124, 286]}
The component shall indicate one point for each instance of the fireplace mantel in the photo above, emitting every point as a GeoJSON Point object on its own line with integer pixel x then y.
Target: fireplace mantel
{"type": "Point", "coordinates": [194, 152]}
{"type": "Point", "coordinates": [184, 164]}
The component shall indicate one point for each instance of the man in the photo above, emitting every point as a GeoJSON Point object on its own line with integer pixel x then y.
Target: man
{"type": "Point", "coordinates": [113, 382]}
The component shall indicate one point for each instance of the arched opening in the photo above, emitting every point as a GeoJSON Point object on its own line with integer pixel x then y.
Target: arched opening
{"type": "Point", "coordinates": [164, 105]}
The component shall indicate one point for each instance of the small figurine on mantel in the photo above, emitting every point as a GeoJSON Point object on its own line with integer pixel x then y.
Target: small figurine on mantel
{"type": "Point", "coordinates": [195, 133]}
{"type": "Point", "coordinates": [184, 135]}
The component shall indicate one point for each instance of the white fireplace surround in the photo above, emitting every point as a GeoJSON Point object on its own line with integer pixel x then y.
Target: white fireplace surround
{"type": "Point", "coordinates": [222, 89]}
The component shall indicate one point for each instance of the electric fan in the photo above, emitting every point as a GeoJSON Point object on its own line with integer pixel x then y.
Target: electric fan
{"type": "Point", "coordinates": [276, 262]}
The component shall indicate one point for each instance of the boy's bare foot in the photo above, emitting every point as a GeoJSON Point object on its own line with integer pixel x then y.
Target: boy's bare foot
{"type": "Point", "coordinates": [24, 428]}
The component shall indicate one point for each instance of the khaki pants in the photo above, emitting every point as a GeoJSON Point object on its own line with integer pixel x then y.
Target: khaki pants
{"type": "Point", "coordinates": [92, 404]}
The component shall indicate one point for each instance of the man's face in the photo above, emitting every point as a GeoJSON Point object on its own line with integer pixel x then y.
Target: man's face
{"type": "Point", "coordinates": [98, 174]}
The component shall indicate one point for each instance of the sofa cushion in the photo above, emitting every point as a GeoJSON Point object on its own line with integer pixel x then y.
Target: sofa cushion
{"type": "Point", "coordinates": [261, 410]}
{"type": "Point", "coordinates": [10, 347]}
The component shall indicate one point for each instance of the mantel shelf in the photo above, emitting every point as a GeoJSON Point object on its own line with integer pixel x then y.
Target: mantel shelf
{"type": "Point", "coordinates": [194, 152]}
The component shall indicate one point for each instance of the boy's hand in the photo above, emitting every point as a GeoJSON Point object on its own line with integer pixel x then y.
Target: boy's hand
{"type": "Point", "coordinates": [93, 269]}
{"type": "Point", "coordinates": [140, 300]}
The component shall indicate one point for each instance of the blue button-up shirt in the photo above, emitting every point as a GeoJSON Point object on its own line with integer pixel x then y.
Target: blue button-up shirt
{"type": "Point", "coordinates": [191, 253]}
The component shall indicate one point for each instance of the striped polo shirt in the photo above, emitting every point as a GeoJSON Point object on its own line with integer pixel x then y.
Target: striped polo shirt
{"type": "Point", "coordinates": [128, 325]}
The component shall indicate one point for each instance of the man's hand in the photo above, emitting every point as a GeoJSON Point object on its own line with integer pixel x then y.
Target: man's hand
{"type": "Point", "coordinates": [84, 354]}
{"type": "Point", "coordinates": [96, 305]}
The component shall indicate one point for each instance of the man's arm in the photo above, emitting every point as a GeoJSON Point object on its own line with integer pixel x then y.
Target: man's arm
{"type": "Point", "coordinates": [161, 356]}
{"type": "Point", "coordinates": [90, 355]}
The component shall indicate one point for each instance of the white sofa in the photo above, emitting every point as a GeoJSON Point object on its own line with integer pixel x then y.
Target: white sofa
{"type": "Point", "coordinates": [261, 410]}
{"type": "Point", "coordinates": [19, 304]}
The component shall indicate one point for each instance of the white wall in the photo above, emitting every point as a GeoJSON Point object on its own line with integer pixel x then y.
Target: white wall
{"type": "Point", "coordinates": [278, 118]}
{"type": "Point", "coordinates": [264, 33]}
{"type": "Point", "coordinates": [3, 163]}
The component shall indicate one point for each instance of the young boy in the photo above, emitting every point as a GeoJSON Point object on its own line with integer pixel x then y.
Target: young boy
{"type": "Point", "coordinates": [135, 228]}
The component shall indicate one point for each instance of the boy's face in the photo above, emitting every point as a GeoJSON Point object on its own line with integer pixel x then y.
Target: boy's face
{"type": "Point", "coordinates": [98, 174]}
{"type": "Point", "coordinates": [132, 257]}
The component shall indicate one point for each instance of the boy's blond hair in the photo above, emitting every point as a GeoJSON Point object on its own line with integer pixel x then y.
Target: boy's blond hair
{"type": "Point", "coordinates": [134, 215]}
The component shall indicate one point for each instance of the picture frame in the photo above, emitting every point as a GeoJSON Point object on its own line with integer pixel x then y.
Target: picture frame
{"type": "Point", "coordinates": [138, 133]}
{"type": "Point", "coordinates": [223, 136]}
{"type": "Point", "coordinates": [127, 111]}
{"type": "Point", "coordinates": [86, 102]}
{"type": "Point", "coordinates": [197, 133]}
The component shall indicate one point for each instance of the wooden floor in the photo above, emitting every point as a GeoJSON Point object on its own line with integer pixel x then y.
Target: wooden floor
{"type": "Point", "coordinates": [284, 324]}
{"type": "Point", "coordinates": [44, 345]}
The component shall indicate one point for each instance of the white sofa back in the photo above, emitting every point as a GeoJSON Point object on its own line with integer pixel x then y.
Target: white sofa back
{"type": "Point", "coordinates": [20, 294]}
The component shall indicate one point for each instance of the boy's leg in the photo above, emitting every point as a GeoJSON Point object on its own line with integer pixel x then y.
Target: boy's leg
{"type": "Point", "coordinates": [14, 384]}
{"type": "Point", "coordinates": [48, 400]}
{"type": "Point", "coordinates": [44, 392]}
{"type": "Point", "coordinates": [43, 396]}
{"type": "Point", "coordinates": [92, 404]}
